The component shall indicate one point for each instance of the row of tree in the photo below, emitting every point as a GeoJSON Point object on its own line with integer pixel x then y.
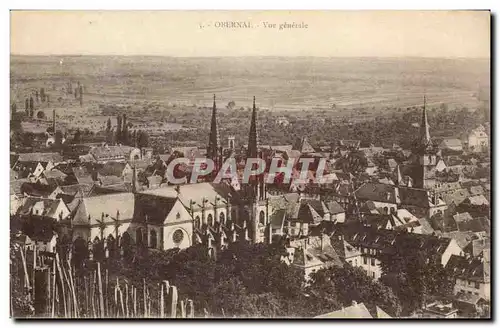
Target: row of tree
{"type": "Point", "coordinates": [124, 135]}
{"type": "Point", "coordinates": [250, 280]}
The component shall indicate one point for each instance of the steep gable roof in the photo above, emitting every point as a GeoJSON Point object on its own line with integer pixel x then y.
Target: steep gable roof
{"type": "Point", "coordinates": [40, 157]}
{"type": "Point", "coordinates": [355, 311]}
{"type": "Point", "coordinates": [97, 207]}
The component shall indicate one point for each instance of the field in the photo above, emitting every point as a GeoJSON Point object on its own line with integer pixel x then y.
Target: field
{"type": "Point", "coordinates": [341, 86]}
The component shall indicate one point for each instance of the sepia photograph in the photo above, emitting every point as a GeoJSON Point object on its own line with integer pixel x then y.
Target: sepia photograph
{"type": "Point", "coordinates": [250, 164]}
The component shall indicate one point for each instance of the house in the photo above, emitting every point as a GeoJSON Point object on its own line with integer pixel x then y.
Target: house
{"type": "Point", "coordinates": [303, 146]}
{"type": "Point", "coordinates": [456, 197]}
{"type": "Point", "coordinates": [350, 144]}
{"type": "Point", "coordinates": [391, 197]}
{"type": "Point", "coordinates": [16, 194]}
{"type": "Point", "coordinates": [478, 200]}
{"type": "Point", "coordinates": [52, 177]}
{"type": "Point", "coordinates": [439, 310]}
{"type": "Point", "coordinates": [346, 252]}
{"type": "Point", "coordinates": [476, 190]}
{"type": "Point", "coordinates": [355, 311]}
{"type": "Point", "coordinates": [33, 164]}
{"type": "Point", "coordinates": [472, 274]}
{"type": "Point", "coordinates": [373, 241]}
{"type": "Point", "coordinates": [83, 175]}
{"type": "Point", "coordinates": [313, 253]}
{"type": "Point", "coordinates": [44, 207]}
{"type": "Point", "coordinates": [471, 305]}
{"type": "Point", "coordinates": [337, 212]}
{"type": "Point", "coordinates": [477, 246]}
{"type": "Point", "coordinates": [278, 219]}
{"type": "Point", "coordinates": [451, 144]}
{"type": "Point", "coordinates": [462, 217]}
{"type": "Point", "coordinates": [106, 153]}
{"type": "Point", "coordinates": [477, 140]}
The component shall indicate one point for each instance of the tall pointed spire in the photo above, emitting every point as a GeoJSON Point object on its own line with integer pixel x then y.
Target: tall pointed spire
{"type": "Point", "coordinates": [253, 141]}
{"type": "Point", "coordinates": [213, 141]}
{"type": "Point", "coordinates": [425, 137]}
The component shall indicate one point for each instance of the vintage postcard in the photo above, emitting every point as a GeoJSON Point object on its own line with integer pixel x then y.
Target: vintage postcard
{"type": "Point", "coordinates": [250, 164]}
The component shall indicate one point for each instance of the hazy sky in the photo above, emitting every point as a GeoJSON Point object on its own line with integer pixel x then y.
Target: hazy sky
{"type": "Point", "coordinates": [333, 33]}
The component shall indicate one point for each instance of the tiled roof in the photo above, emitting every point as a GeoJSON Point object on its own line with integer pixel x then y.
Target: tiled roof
{"type": "Point", "coordinates": [478, 200]}
{"type": "Point", "coordinates": [54, 174]}
{"type": "Point", "coordinates": [457, 197]}
{"type": "Point", "coordinates": [359, 235]}
{"type": "Point", "coordinates": [376, 192]}
{"type": "Point", "coordinates": [40, 157]}
{"type": "Point", "coordinates": [303, 258]}
{"type": "Point", "coordinates": [472, 268]}
{"type": "Point", "coordinates": [321, 248]}
{"type": "Point", "coordinates": [476, 190]}
{"type": "Point", "coordinates": [49, 206]}
{"type": "Point", "coordinates": [110, 152]}
{"type": "Point", "coordinates": [356, 311]}
{"type": "Point", "coordinates": [195, 192]}
{"type": "Point", "coordinates": [72, 190]}
{"type": "Point", "coordinates": [463, 238]}
{"type": "Point", "coordinates": [82, 175]}
{"type": "Point", "coordinates": [475, 225]}
{"type": "Point", "coordinates": [16, 186]}
{"type": "Point", "coordinates": [98, 207]}
{"type": "Point", "coordinates": [277, 219]}
{"type": "Point", "coordinates": [155, 208]}
{"type": "Point", "coordinates": [343, 248]}
{"type": "Point", "coordinates": [303, 146]}
{"type": "Point", "coordinates": [37, 189]}
{"type": "Point", "coordinates": [460, 217]}
{"type": "Point", "coordinates": [477, 246]}
{"type": "Point", "coordinates": [334, 207]}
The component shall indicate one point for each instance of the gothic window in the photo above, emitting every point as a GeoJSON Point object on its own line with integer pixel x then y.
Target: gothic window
{"type": "Point", "coordinates": [154, 240]}
{"type": "Point", "coordinates": [178, 216]}
{"type": "Point", "coordinates": [197, 222]}
{"type": "Point", "coordinates": [178, 236]}
{"type": "Point", "coordinates": [210, 220]}
{"type": "Point", "coordinates": [139, 235]}
{"type": "Point", "coordinates": [222, 219]}
{"type": "Point", "coordinates": [262, 218]}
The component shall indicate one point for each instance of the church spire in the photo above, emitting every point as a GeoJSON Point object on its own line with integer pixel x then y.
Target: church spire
{"type": "Point", "coordinates": [213, 141]}
{"type": "Point", "coordinates": [253, 142]}
{"type": "Point", "coordinates": [425, 137]}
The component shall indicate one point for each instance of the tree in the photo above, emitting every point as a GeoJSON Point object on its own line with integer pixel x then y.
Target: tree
{"type": "Point", "coordinates": [58, 139]}
{"type": "Point", "coordinates": [414, 275]}
{"type": "Point", "coordinates": [32, 107]}
{"type": "Point", "coordinates": [124, 134]}
{"type": "Point", "coordinates": [77, 137]}
{"type": "Point", "coordinates": [80, 91]}
{"type": "Point", "coordinates": [109, 132]}
{"type": "Point", "coordinates": [40, 115]}
{"type": "Point", "coordinates": [142, 139]}
{"type": "Point", "coordinates": [118, 129]}
{"type": "Point", "coordinates": [353, 284]}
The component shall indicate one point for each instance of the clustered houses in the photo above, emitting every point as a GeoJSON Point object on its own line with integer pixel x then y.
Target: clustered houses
{"type": "Point", "coordinates": [115, 200]}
